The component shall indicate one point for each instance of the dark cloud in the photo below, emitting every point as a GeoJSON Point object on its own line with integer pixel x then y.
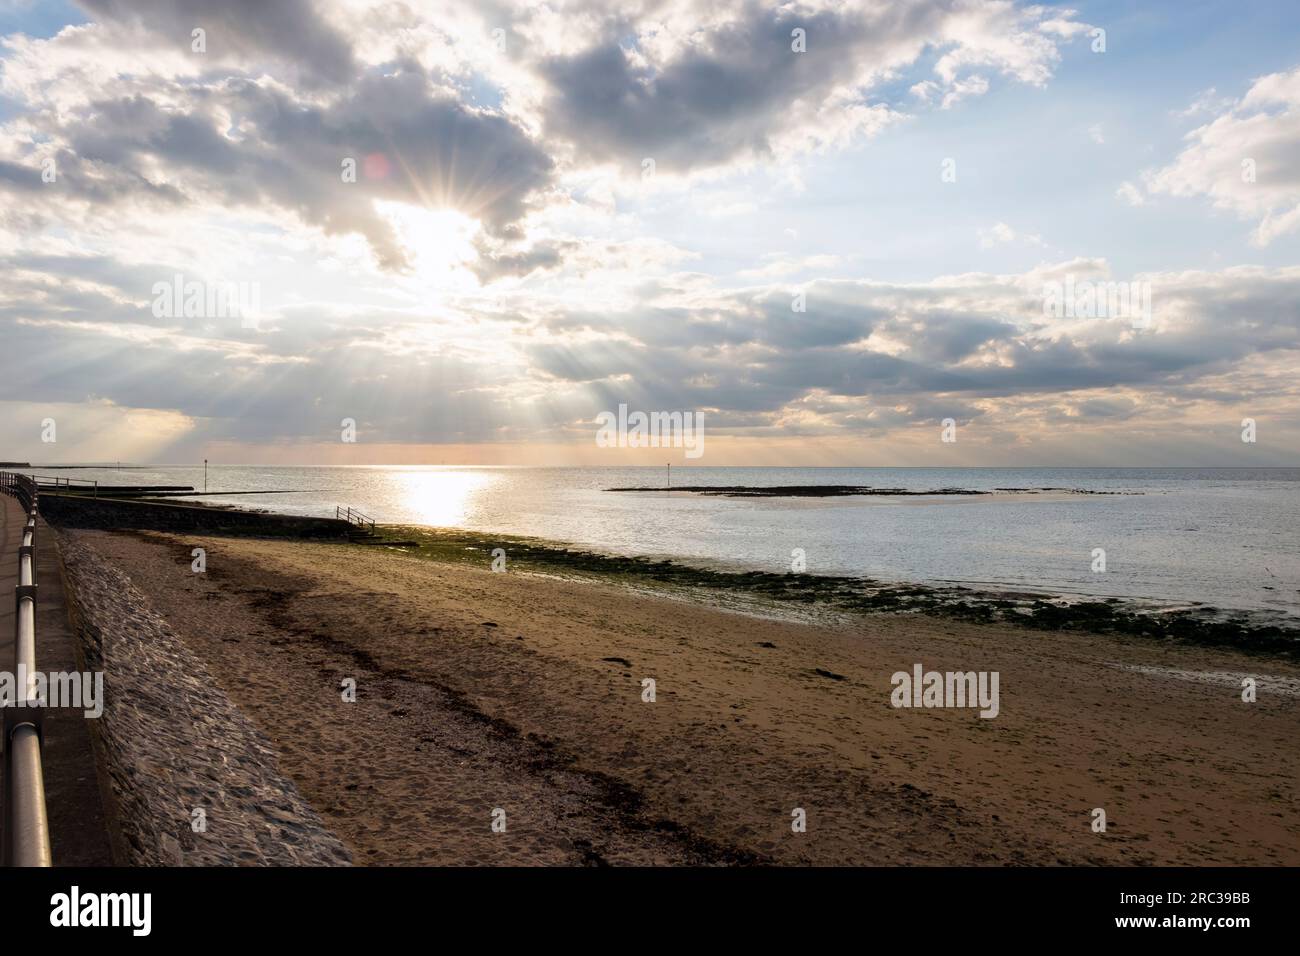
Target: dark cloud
{"type": "Point", "coordinates": [290, 32]}
{"type": "Point", "coordinates": [281, 100]}
{"type": "Point", "coordinates": [765, 360]}
{"type": "Point", "coordinates": [410, 142]}
{"type": "Point", "coordinates": [303, 370]}
{"type": "Point", "coordinates": [432, 151]}
{"type": "Point", "coordinates": [282, 96]}
{"type": "Point", "coordinates": [944, 336]}
{"type": "Point", "coordinates": [726, 96]}
{"type": "Point", "coordinates": [543, 255]}
{"type": "Point", "coordinates": [1108, 408]}
{"type": "Point", "coordinates": [20, 178]}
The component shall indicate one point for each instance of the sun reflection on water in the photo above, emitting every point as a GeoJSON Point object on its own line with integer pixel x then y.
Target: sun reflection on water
{"type": "Point", "coordinates": [442, 497]}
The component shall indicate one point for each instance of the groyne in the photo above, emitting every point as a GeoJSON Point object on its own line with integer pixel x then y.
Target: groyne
{"type": "Point", "coordinates": [79, 511]}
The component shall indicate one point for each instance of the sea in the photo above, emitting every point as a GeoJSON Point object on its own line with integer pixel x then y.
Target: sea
{"type": "Point", "coordinates": [1227, 538]}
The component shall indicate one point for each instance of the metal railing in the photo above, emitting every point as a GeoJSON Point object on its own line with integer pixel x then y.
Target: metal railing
{"type": "Point", "coordinates": [26, 827]}
{"type": "Point", "coordinates": [352, 516]}
{"type": "Point", "coordinates": [69, 484]}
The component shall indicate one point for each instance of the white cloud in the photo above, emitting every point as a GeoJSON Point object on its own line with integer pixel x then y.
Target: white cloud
{"type": "Point", "coordinates": [1131, 194]}
{"type": "Point", "coordinates": [1018, 41]}
{"type": "Point", "coordinates": [1207, 101]}
{"type": "Point", "coordinates": [924, 90]}
{"type": "Point", "coordinates": [959, 90]}
{"type": "Point", "coordinates": [780, 264]}
{"type": "Point", "coordinates": [525, 259]}
{"type": "Point", "coordinates": [143, 127]}
{"type": "Point", "coordinates": [1000, 234]}
{"type": "Point", "coordinates": [1246, 160]}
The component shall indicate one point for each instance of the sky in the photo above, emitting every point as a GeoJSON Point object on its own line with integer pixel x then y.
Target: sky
{"type": "Point", "coordinates": [839, 232]}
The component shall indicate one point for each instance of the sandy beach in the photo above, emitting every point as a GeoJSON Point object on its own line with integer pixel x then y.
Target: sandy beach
{"type": "Point", "coordinates": [481, 691]}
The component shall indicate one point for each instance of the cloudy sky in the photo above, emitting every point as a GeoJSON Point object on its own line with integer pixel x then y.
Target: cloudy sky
{"type": "Point", "coordinates": [473, 226]}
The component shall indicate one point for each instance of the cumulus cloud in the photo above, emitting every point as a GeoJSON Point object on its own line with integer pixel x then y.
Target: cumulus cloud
{"type": "Point", "coordinates": [281, 94]}
{"type": "Point", "coordinates": [958, 339]}
{"type": "Point", "coordinates": [490, 274]}
{"type": "Point", "coordinates": [959, 90]}
{"type": "Point", "coordinates": [1247, 159]}
{"type": "Point", "coordinates": [252, 142]}
{"type": "Point", "coordinates": [248, 32]}
{"type": "Point", "coordinates": [1000, 234]}
{"type": "Point", "coordinates": [863, 356]}
{"type": "Point", "coordinates": [577, 256]}
{"type": "Point", "coordinates": [1131, 194]}
{"type": "Point", "coordinates": [1207, 101]}
{"type": "Point", "coordinates": [695, 94]}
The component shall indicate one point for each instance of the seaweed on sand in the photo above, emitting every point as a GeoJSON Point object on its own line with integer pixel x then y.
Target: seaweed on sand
{"type": "Point", "coordinates": [1203, 626]}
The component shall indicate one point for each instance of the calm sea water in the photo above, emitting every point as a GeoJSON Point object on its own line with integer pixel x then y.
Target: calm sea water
{"type": "Point", "coordinates": [1224, 537]}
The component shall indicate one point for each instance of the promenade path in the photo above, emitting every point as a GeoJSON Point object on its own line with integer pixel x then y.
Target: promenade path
{"type": "Point", "coordinates": [74, 804]}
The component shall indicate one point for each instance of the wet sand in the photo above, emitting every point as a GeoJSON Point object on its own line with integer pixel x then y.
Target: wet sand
{"type": "Point", "coordinates": [479, 691]}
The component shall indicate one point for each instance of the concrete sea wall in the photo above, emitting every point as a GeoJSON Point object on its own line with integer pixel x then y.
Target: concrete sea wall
{"type": "Point", "coordinates": [173, 743]}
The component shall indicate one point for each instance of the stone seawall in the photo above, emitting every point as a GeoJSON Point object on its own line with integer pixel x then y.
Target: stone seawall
{"type": "Point", "coordinates": [175, 747]}
{"type": "Point", "coordinates": [76, 511]}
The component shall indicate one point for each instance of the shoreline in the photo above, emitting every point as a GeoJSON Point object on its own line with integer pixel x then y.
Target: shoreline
{"type": "Point", "coordinates": [522, 691]}
{"type": "Point", "coordinates": [1256, 630]}
{"type": "Point", "coordinates": [1249, 631]}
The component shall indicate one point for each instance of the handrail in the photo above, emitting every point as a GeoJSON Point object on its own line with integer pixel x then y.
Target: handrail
{"type": "Point", "coordinates": [62, 481]}
{"type": "Point", "coordinates": [352, 516]}
{"type": "Point", "coordinates": [26, 826]}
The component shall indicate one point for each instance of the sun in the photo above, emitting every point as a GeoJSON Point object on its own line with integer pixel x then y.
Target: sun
{"type": "Point", "coordinates": [438, 242]}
